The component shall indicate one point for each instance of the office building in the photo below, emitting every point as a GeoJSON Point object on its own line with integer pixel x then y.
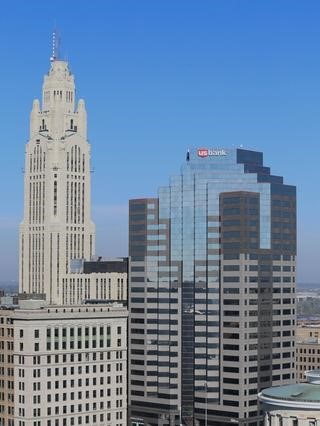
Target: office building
{"type": "Point", "coordinates": [57, 225]}
{"type": "Point", "coordinates": [63, 366]}
{"type": "Point", "coordinates": [211, 292]}
{"type": "Point", "coordinates": [57, 235]}
{"type": "Point", "coordinates": [99, 280]}
{"type": "Point", "coordinates": [293, 405]}
{"type": "Point", "coordinates": [307, 349]}
{"type": "Point", "coordinates": [64, 359]}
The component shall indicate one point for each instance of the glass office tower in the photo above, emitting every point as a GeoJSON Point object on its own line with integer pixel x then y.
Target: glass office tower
{"type": "Point", "coordinates": [211, 292]}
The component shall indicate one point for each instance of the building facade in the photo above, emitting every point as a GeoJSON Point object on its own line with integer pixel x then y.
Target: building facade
{"type": "Point", "coordinates": [96, 280]}
{"type": "Point", "coordinates": [211, 292]}
{"type": "Point", "coordinates": [57, 232]}
{"type": "Point", "coordinates": [63, 366]}
{"type": "Point", "coordinates": [307, 349]}
{"type": "Point", "coordinates": [57, 225]}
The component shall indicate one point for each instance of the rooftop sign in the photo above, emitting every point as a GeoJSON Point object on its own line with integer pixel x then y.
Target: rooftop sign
{"type": "Point", "coordinates": [205, 152]}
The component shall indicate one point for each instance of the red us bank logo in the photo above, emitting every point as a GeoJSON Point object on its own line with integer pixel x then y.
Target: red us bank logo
{"type": "Point", "coordinates": [217, 152]}
{"type": "Point", "coordinates": [203, 152]}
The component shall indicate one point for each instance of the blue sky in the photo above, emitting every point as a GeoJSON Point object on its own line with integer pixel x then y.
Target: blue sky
{"type": "Point", "coordinates": [158, 77]}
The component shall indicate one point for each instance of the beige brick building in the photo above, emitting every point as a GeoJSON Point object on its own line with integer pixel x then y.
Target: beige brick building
{"type": "Point", "coordinates": [63, 366]}
{"type": "Point", "coordinates": [307, 349]}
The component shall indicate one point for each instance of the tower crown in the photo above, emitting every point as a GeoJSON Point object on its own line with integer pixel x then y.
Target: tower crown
{"type": "Point", "coordinates": [58, 114]}
{"type": "Point", "coordinates": [58, 91]}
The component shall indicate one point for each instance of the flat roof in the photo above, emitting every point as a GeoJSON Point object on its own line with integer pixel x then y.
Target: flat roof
{"type": "Point", "coordinates": [299, 392]}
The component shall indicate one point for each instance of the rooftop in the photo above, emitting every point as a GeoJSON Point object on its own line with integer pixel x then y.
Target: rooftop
{"type": "Point", "coordinates": [304, 392]}
{"type": "Point", "coordinates": [296, 393]}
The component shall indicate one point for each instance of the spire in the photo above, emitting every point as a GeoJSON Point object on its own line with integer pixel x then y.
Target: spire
{"type": "Point", "coordinates": [56, 41]}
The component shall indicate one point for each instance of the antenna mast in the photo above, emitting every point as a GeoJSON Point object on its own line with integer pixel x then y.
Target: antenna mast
{"type": "Point", "coordinates": [55, 46]}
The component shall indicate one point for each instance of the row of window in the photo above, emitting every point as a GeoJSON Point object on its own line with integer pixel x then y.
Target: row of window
{"type": "Point", "coordinates": [89, 356]}
{"type": "Point", "coordinates": [88, 420]}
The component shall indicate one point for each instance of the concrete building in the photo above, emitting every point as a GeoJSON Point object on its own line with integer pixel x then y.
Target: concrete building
{"type": "Point", "coordinates": [211, 292]}
{"type": "Point", "coordinates": [303, 295]}
{"type": "Point", "coordinates": [307, 349]}
{"type": "Point", "coordinates": [293, 405]}
{"type": "Point", "coordinates": [63, 366]}
{"type": "Point", "coordinates": [9, 300]}
{"type": "Point", "coordinates": [96, 280]}
{"type": "Point", "coordinates": [57, 225]}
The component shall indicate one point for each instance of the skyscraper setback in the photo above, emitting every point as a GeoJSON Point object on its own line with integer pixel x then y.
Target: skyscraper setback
{"type": "Point", "coordinates": [211, 292]}
{"type": "Point", "coordinates": [57, 225]}
{"type": "Point", "coordinates": [57, 235]}
{"type": "Point", "coordinates": [83, 346]}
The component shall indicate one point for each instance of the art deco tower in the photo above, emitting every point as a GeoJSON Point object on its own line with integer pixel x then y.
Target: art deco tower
{"type": "Point", "coordinates": [57, 224]}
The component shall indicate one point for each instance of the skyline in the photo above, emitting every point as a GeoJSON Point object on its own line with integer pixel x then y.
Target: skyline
{"type": "Point", "coordinates": [151, 94]}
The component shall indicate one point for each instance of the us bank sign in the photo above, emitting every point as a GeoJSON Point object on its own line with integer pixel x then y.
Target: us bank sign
{"type": "Point", "coordinates": [205, 152]}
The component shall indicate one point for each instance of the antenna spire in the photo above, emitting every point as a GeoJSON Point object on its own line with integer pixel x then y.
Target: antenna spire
{"type": "Point", "coordinates": [55, 46]}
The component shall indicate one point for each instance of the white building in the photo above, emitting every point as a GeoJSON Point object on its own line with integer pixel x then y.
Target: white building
{"type": "Point", "coordinates": [293, 405]}
{"type": "Point", "coordinates": [57, 225]}
{"type": "Point", "coordinates": [63, 366]}
{"type": "Point", "coordinates": [57, 231]}
{"type": "Point", "coordinates": [96, 280]}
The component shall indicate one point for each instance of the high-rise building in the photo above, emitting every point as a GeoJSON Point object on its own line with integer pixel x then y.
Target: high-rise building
{"type": "Point", "coordinates": [211, 292]}
{"type": "Point", "coordinates": [57, 225]}
{"type": "Point", "coordinates": [63, 366]}
{"type": "Point", "coordinates": [57, 235]}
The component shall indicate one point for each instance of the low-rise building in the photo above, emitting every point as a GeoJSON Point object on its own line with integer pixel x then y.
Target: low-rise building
{"type": "Point", "coordinates": [105, 280]}
{"type": "Point", "coordinates": [63, 366]}
{"type": "Point", "coordinates": [307, 349]}
{"type": "Point", "coordinates": [99, 280]}
{"type": "Point", "coordinates": [293, 405]}
{"type": "Point", "coordinates": [9, 300]}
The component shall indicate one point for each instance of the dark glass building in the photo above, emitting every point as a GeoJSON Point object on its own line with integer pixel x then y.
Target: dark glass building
{"type": "Point", "coordinates": [211, 292]}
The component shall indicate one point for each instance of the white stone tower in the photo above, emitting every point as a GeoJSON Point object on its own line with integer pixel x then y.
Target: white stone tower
{"type": "Point", "coordinates": [57, 225]}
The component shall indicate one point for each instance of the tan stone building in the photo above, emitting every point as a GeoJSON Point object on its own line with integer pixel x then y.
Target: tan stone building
{"type": "Point", "coordinates": [57, 231]}
{"type": "Point", "coordinates": [307, 349]}
{"type": "Point", "coordinates": [63, 366]}
{"type": "Point", "coordinates": [56, 226]}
